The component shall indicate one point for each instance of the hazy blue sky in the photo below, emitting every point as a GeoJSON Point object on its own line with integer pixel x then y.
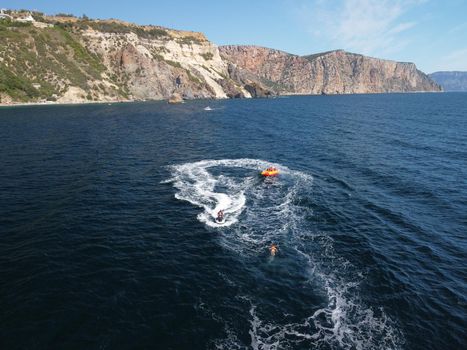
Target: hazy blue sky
{"type": "Point", "coordinates": [431, 33]}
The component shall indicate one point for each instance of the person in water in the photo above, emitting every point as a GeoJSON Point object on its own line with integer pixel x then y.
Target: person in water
{"type": "Point", "coordinates": [220, 215]}
{"type": "Point", "coordinates": [273, 249]}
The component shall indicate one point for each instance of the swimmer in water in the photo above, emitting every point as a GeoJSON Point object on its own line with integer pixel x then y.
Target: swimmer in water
{"type": "Point", "coordinates": [273, 249]}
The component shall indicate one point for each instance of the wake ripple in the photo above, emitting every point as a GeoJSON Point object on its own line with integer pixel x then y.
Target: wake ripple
{"type": "Point", "coordinates": [259, 212]}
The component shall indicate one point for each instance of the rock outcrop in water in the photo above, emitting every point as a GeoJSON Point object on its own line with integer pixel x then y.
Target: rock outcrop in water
{"type": "Point", "coordinates": [67, 59]}
{"type": "Point", "coordinates": [334, 72]}
{"type": "Point", "coordinates": [451, 81]}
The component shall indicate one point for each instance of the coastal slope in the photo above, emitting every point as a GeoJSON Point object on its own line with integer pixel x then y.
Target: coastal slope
{"type": "Point", "coordinates": [451, 81]}
{"type": "Point", "coordinates": [69, 60]}
{"type": "Point", "coordinates": [333, 72]}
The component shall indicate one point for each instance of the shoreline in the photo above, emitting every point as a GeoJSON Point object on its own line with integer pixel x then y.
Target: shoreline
{"type": "Point", "coordinates": [53, 103]}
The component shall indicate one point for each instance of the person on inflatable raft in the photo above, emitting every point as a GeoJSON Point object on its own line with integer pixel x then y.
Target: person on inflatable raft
{"type": "Point", "coordinates": [271, 171]}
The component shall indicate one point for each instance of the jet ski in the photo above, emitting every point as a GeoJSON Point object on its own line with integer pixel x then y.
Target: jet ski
{"type": "Point", "coordinates": [207, 108]}
{"type": "Point", "coordinates": [270, 172]}
{"type": "Point", "coordinates": [220, 219]}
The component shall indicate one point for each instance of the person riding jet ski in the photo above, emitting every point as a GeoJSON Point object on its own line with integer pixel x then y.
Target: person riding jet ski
{"type": "Point", "coordinates": [220, 216]}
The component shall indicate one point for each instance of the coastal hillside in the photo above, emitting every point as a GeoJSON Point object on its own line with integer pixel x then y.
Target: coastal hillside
{"type": "Point", "coordinates": [451, 81]}
{"type": "Point", "coordinates": [334, 72]}
{"type": "Point", "coordinates": [66, 59]}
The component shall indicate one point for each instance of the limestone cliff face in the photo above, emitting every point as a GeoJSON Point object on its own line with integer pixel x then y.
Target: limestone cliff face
{"type": "Point", "coordinates": [155, 68]}
{"type": "Point", "coordinates": [334, 72]}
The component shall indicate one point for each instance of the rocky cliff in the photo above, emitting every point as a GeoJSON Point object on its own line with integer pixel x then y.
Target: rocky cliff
{"type": "Point", "coordinates": [451, 81]}
{"type": "Point", "coordinates": [334, 72]}
{"type": "Point", "coordinates": [68, 59]}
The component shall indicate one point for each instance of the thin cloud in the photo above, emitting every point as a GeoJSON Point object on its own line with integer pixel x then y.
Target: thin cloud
{"type": "Point", "coordinates": [402, 27]}
{"type": "Point", "coordinates": [371, 27]}
{"type": "Point", "coordinates": [455, 60]}
{"type": "Point", "coordinates": [459, 28]}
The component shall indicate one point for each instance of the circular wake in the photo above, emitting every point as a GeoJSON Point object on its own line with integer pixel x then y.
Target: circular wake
{"type": "Point", "coordinates": [259, 212]}
{"type": "Point", "coordinates": [199, 184]}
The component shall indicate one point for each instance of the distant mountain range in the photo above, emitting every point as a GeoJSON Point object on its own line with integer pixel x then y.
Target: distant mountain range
{"type": "Point", "coordinates": [451, 81]}
{"type": "Point", "coordinates": [71, 60]}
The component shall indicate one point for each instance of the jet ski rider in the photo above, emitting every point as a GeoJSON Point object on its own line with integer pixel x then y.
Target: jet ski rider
{"type": "Point", "coordinates": [220, 215]}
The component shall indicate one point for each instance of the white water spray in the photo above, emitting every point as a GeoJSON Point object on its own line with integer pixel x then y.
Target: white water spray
{"type": "Point", "coordinates": [258, 212]}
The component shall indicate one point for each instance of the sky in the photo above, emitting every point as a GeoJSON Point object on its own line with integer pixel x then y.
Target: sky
{"type": "Point", "coordinates": [430, 33]}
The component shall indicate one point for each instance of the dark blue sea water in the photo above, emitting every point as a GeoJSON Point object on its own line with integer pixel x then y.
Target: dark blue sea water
{"type": "Point", "coordinates": [108, 238]}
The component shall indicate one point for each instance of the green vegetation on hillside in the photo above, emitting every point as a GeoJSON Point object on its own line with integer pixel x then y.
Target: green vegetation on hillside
{"type": "Point", "coordinates": [64, 15]}
{"type": "Point", "coordinates": [19, 88]}
{"type": "Point", "coordinates": [193, 78]}
{"type": "Point", "coordinates": [115, 28]}
{"type": "Point", "coordinates": [82, 55]}
{"type": "Point", "coordinates": [50, 58]}
{"type": "Point", "coordinates": [207, 56]}
{"type": "Point", "coordinates": [7, 23]}
{"type": "Point", "coordinates": [173, 63]}
{"type": "Point", "coordinates": [188, 40]}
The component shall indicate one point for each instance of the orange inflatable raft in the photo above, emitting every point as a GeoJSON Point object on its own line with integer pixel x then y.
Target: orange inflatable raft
{"type": "Point", "coordinates": [270, 172]}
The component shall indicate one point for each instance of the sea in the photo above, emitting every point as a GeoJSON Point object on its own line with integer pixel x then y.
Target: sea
{"type": "Point", "coordinates": [108, 237]}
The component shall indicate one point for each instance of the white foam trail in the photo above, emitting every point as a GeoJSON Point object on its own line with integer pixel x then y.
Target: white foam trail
{"type": "Point", "coordinates": [260, 212]}
{"type": "Point", "coordinates": [198, 186]}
